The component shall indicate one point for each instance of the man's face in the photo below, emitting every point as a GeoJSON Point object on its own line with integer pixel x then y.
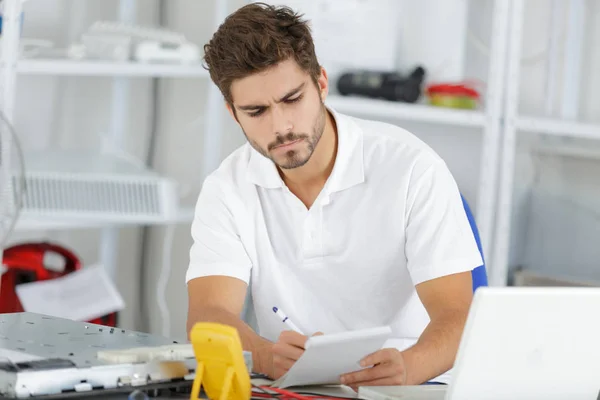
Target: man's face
{"type": "Point", "coordinates": [281, 113]}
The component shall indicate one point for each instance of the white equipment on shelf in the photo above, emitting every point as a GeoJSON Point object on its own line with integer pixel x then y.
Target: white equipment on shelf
{"type": "Point", "coordinates": [92, 186]}
{"type": "Point", "coordinates": [103, 47]}
{"type": "Point", "coordinates": [117, 41]}
{"type": "Point", "coordinates": [152, 51]}
{"type": "Point", "coordinates": [137, 32]}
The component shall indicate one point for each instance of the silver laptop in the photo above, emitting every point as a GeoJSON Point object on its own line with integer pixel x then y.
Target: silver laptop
{"type": "Point", "coordinates": [521, 343]}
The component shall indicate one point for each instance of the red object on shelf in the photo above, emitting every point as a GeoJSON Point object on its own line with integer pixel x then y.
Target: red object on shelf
{"type": "Point", "coordinates": [457, 89]}
{"type": "Point", "coordinates": [29, 262]}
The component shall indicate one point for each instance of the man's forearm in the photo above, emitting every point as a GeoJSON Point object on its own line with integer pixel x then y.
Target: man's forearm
{"type": "Point", "coordinates": [251, 341]}
{"type": "Point", "coordinates": [436, 349]}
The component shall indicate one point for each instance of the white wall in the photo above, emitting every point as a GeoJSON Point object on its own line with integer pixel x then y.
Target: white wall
{"type": "Point", "coordinates": [73, 111]}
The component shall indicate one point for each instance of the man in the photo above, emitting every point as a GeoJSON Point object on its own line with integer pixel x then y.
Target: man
{"type": "Point", "coordinates": [341, 223]}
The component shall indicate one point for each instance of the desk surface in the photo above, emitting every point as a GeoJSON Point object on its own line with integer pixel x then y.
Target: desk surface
{"type": "Point", "coordinates": [366, 393]}
{"type": "Point", "coordinates": [422, 392]}
{"type": "Point", "coordinates": [334, 391]}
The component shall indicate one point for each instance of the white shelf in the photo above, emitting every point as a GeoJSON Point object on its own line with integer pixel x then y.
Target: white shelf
{"type": "Point", "coordinates": [30, 223]}
{"type": "Point", "coordinates": [102, 68]}
{"type": "Point", "coordinates": [559, 127]}
{"type": "Point", "coordinates": [374, 108]}
{"type": "Point", "coordinates": [568, 151]}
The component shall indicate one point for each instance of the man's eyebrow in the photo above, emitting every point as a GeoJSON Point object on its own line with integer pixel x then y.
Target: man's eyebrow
{"type": "Point", "coordinates": [284, 98]}
{"type": "Point", "coordinates": [291, 93]}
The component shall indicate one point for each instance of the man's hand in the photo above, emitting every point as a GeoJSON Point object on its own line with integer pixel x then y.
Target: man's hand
{"type": "Point", "coordinates": [287, 350]}
{"type": "Point", "coordinates": [386, 367]}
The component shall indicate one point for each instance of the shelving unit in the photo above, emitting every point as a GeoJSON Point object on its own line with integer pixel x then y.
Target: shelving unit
{"type": "Point", "coordinates": [569, 151]}
{"type": "Point", "coordinates": [121, 72]}
{"type": "Point", "coordinates": [488, 120]}
{"type": "Point", "coordinates": [558, 127]}
{"type": "Point", "coordinates": [566, 125]}
{"type": "Point", "coordinates": [499, 121]}
{"type": "Point", "coordinates": [407, 111]}
{"type": "Point", "coordinates": [102, 68]}
{"type": "Point", "coordinates": [184, 215]}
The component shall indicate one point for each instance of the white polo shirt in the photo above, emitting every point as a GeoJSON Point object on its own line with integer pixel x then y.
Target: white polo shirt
{"type": "Point", "coordinates": [389, 217]}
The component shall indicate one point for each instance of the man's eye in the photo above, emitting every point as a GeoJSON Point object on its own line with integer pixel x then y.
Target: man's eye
{"type": "Point", "coordinates": [294, 100]}
{"type": "Point", "coordinates": [256, 113]}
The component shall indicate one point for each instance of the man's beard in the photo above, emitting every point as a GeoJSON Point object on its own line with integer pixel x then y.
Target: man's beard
{"type": "Point", "coordinates": [294, 158]}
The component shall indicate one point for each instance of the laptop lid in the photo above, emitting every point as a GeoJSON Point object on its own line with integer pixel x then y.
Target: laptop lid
{"type": "Point", "coordinates": [529, 343]}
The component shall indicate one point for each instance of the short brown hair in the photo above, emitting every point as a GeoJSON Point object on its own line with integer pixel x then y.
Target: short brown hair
{"type": "Point", "coordinates": [256, 37]}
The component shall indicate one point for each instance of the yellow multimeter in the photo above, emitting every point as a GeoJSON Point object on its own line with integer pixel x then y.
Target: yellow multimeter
{"type": "Point", "coordinates": [220, 369]}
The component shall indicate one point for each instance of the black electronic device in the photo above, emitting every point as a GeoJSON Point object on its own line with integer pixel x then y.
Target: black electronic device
{"type": "Point", "coordinates": [380, 84]}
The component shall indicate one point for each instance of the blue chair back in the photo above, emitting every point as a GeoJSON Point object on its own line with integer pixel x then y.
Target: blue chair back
{"type": "Point", "coordinates": [479, 274]}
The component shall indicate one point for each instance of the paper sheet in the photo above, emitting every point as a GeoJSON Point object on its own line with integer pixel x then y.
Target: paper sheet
{"type": "Point", "coordinates": [329, 356]}
{"type": "Point", "coordinates": [80, 296]}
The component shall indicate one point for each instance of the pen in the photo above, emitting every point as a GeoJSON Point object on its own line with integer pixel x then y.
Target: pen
{"type": "Point", "coordinates": [286, 320]}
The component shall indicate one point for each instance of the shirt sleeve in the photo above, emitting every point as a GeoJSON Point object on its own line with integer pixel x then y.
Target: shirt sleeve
{"type": "Point", "coordinates": [217, 248]}
{"type": "Point", "coordinates": [439, 239]}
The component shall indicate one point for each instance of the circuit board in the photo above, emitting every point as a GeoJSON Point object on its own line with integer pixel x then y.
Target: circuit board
{"type": "Point", "coordinates": [46, 356]}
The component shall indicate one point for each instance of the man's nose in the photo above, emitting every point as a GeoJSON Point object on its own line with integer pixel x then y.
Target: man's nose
{"type": "Point", "coordinates": [282, 124]}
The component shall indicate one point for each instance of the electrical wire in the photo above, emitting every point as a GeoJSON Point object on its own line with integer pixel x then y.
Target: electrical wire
{"type": "Point", "coordinates": [144, 314]}
{"type": "Point", "coordinates": [146, 231]}
{"type": "Point", "coordinates": [163, 280]}
{"type": "Point", "coordinates": [569, 202]}
{"type": "Point", "coordinates": [21, 187]}
{"type": "Point", "coordinates": [268, 392]}
{"type": "Point", "coordinates": [484, 49]}
{"type": "Point", "coordinates": [532, 59]}
{"type": "Point", "coordinates": [108, 147]}
{"type": "Point", "coordinates": [19, 190]}
{"type": "Point", "coordinates": [165, 272]}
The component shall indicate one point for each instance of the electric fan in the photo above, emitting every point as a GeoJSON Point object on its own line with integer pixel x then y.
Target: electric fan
{"type": "Point", "coordinates": [12, 180]}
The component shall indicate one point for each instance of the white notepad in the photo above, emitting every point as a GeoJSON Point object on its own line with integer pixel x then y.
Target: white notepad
{"type": "Point", "coordinates": [328, 357]}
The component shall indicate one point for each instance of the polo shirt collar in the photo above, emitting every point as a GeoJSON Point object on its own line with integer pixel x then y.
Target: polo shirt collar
{"type": "Point", "coordinates": [348, 169]}
{"type": "Point", "coordinates": [262, 171]}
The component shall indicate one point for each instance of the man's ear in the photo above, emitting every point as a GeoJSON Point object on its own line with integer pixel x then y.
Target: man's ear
{"type": "Point", "coordinates": [231, 110]}
{"type": "Point", "coordinates": [323, 84]}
